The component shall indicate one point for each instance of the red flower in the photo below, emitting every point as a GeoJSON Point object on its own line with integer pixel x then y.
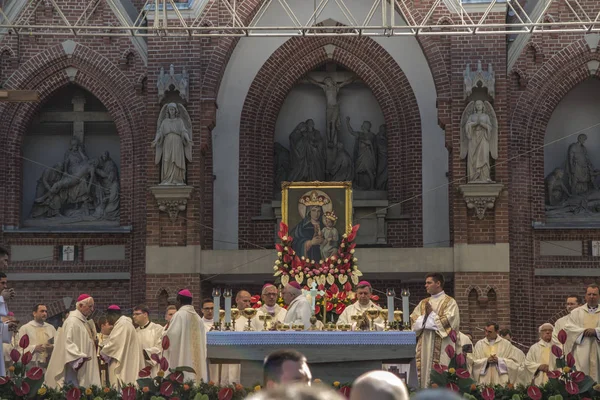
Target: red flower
{"type": "Point", "coordinates": [35, 373]}
{"type": "Point", "coordinates": [340, 308]}
{"type": "Point", "coordinates": [557, 351]}
{"type": "Point", "coordinates": [255, 298]}
{"type": "Point", "coordinates": [534, 393]}
{"type": "Point", "coordinates": [225, 394]}
{"type": "Point", "coordinates": [554, 374]}
{"type": "Point", "coordinates": [450, 351]}
{"type": "Point", "coordinates": [460, 360]}
{"type": "Point", "coordinates": [24, 342]}
{"type": "Point", "coordinates": [452, 335]}
{"type": "Point", "coordinates": [26, 359]}
{"type": "Point", "coordinates": [329, 307]}
{"type": "Point", "coordinates": [166, 343]}
{"type": "Point", "coordinates": [74, 394]}
{"type": "Point", "coordinates": [155, 358]}
{"type": "Point", "coordinates": [283, 229]}
{"type": "Point", "coordinates": [166, 388]}
{"type": "Point", "coordinates": [145, 372]}
{"type": "Point", "coordinates": [348, 286]}
{"type": "Point", "coordinates": [562, 336]}
{"type": "Point", "coordinates": [345, 391]}
{"type": "Point", "coordinates": [453, 387]}
{"type": "Point", "coordinates": [488, 393]}
{"type": "Point", "coordinates": [570, 360]}
{"type": "Point", "coordinates": [4, 380]}
{"type": "Point", "coordinates": [335, 289]}
{"type": "Point", "coordinates": [317, 309]}
{"type": "Point", "coordinates": [25, 387]}
{"type": "Point", "coordinates": [439, 368]}
{"type": "Point", "coordinates": [342, 296]}
{"type": "Point", "coordinates": [164, 364]}
{"type": "Point", "coordinates": [177, 377]}
{"type": "Point", "coordinates": [375, 297]}
{"type": "Point", "coordinates": [279, 248]}
{"type": "Point", "coordinates": [577, 376]}
{"type": "Point", "coordinates": [15, 355]}
{"type": "Point", "coordinates": [571, 387]}
{"type": "Point", "coordinates": [129, 393]}
{"type": "Point", "coordinates": [462, 373]}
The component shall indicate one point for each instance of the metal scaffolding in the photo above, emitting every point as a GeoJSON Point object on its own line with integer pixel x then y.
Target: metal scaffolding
{"type": "Point", "coordinates": [384, 18]}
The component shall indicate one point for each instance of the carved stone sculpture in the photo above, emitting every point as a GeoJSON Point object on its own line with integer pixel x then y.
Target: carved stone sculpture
{"type": "Point", "coordinates": [173, 82]}
{"type": "Point", "coordinates": [556, 190]}
{"type": "Point", "coordinates": [381, 182]}
{"type": "Point", "coordinates": [479, 79]}
{"type": "Point", "coordinates": [108, 190]}
{"type": "Point", "coordinates": [365, 156]}
{"type": "Point", "coordinates": [307, 153]}
{"type": "Point", "coordinates": [173, 143]}
{"type": "Point", "coordinates": [479, 140]}
{"type": "Point", "coordinates": [581, 172]}
{"type": "Point", "coordinates": [342, 169]}
{"type": "Point", "coordinates": [281, 165]}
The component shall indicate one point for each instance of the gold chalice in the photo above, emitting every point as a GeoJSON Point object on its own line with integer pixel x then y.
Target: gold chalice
{"type": "Point", "coordinates": [266, 318]}
{"type": "Point", "coordinates": [235, 314]}
{"type": "Point", "coordinates": [397, 318]}
{"type": "Point", "coordinates": [283, 327]}
{"type": "Point", "coordinates": [331, 327]}
{"type": "Point", "coordinates": [372, 314]}
{"type": "Point", "coordinates": [249, 313]}
{"type": "Point", "coordinates": [383, 313]}
{"type": "Point", "coordinates": [358, 319]}
{"type": "Point", "coordinates": [221, 315]}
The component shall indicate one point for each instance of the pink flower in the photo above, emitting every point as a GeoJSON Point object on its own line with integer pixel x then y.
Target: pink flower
{"type": "Point", "coordinates": [534, 393]}
{"type": "Point", "coordinates": [572, 387]}
{"type": "Point", "coordinates": [450, 351]}
{"type": "Point", "coordinates": [488, 393]}
{"type": "Point", "coordinates": [453, 387]}
{"type": "Point", "coordinates": [438, 368]}
{"type": "Point", "coordinates": [452, 335]}
{"type": "Point", "coordinates": [460, 360]}
{"type": "Point", "coordinates": [570, 360]}
{"type": "Point", "coordinates": [463, 373]}
{"type": "Point", "coordinates": [558, 353]}
{"type": "Point", "coordinates": [562, 336]}
{"type": "Point", "coordinates": [554, 374]}
{"type": "Point", "coordinates": [577, 376]}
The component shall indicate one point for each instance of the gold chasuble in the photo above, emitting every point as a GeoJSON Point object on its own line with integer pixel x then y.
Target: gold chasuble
{"type": "Point", "coordinates": [432, 332]}
{"type": "Point", "coordinates": [585, 349]}
{"type": "Point", "coordinates": [509, 362]}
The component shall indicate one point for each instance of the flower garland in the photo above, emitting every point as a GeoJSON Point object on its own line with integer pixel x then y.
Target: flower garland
{"type": "Point", "coordinates": [337, 275]}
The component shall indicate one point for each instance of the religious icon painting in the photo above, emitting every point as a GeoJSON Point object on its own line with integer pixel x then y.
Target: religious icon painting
{"type": "Point", "coordinates": [318, 214]}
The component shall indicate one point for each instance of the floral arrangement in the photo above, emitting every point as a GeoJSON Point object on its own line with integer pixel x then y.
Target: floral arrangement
{"type": "Point", "coordinates": [22, 381]}
{"type": "Point", "coordinates": [337, 275]}
{"type": "Point", "coordinates": [455, 375]}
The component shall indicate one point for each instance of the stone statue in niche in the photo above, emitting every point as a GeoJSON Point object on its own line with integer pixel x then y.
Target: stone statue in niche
{"type": "Point", "coordinates": [381, 182]}
{"type": "Point", "coordinates": [581, 172]}
{"type": "Point", "coordinates": [332, 89]}
{"type": "Point", "coordinates": [307, 153]}
{"type": "Point", "coordinates": [79, 189]}
{"type": "Point", "coordinates": [282, 165]}
{"type": "Point", "coordinates": [342, 169]}
{"type": "Point", "coordinates": [556, 190]}
{"type": "Point", "coordinates": [365, 156]}
{"type": "Point", "coordinates": [479, 140]}
{"type": "Point", "coordinates": [173, 144]}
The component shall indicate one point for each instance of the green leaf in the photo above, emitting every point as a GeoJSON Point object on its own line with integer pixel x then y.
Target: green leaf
{"type": "Point", "coordinates": [560, 363]}
{"type": "Point", "coordinates": [146, 382]}
{"type": "Point", "coordinates": [465, 384]}
{"type": "Point", "coordinates": [438, 379]}
{"type": "Point", "coordinates": [200, 396]}
{"type": "Point", "coordinates": [586, 384]}
{"type": "Point", "coordinates": [185, 369]}
{"type": "Point", "coordinates": [516, 397]}
{"type": "Point", "coordinates": [34, 386]}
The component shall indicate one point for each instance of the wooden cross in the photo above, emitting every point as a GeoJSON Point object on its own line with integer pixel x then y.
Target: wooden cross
{"type": "Point", "coordinates": [18, 96]}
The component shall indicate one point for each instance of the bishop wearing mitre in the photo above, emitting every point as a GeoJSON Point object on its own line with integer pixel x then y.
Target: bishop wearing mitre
{"type": "Point", "coordinates": [539, 359]}
{"type": "Point", "coordinates": [73, 360]}
{"type": "Point", "coordinates": [432, 320]}
{"type": "Point", "coordinates": [270, 307]}
{"type": "Point", "coordinates": [122, 351]}
{"type": "Point", "coordinates": [495, 359]}
{"type": "Point", "coordinates": [187, 337]}
{"type": "Point", "coordinates": [41, 336]}
{"type": "Point", "coordinates": [583, 326]}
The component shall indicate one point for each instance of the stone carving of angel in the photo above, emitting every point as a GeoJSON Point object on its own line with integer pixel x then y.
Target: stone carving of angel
{"type": "Point", "coordinates": [173, 143]}
{"type": "Point", "coordinates": [479, 140]}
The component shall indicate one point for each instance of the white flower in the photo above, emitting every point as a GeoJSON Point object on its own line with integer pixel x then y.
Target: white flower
{"type": "Point", "coordinates": [352, 251]}
{"type": "Point", "coordinates": [275, 268]}
{"type": "Point", "coordinates": [279, 254]}
{"type": "Point", "coordinates": [285, 238]}
{"type": "Point", "coordinates": [277, 262]}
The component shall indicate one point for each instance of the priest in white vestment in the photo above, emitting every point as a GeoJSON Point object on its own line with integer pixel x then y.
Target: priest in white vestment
{"type": "Point", "coordinates": [513, 375]}
{"type": "Point", "coordinates": [299, 309]}
{"type": "Point", "coordinates": [539, 359]}
{"type": "Point", "coordinates": [187, 337]}
{"type": "Point", "coordinates": [122, 351]}
{"type": "Point", "coordinates": [360, 306]}
{"type": "Point", "coordinates": [149, 335]}
{"type": "Point", "coordinates": [573, 301]}
{"type": "Point", "coordinates": [432, 320]}
{"type": "Point", "coordinates": [270, 307]}
{"type": "Point", "coordinates": [583, 326]}
{"type": "Point", "coordinates": [74, 360]}
{"type": "Point", "coordinates": [9, 326]}
{"type": "Point", "coordinates": [41, 336]}
{"type": "Point", "coordinates": [495, 360]}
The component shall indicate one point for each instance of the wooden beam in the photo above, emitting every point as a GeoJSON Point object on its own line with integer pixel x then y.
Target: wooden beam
{"type": "Point", "coordinates": [18, 96]}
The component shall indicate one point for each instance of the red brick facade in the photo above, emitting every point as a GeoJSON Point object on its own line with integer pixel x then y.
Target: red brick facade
{"type": "Point", "coordinates": [113, 71]}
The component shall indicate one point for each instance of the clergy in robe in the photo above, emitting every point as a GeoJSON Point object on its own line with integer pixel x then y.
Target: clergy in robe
{"type": "Point", "coordinates": [513, 375]}
{"type": "Point", "coordinates": [539, 359]}
{"type": "Point", "coordinates": [495, 360]}
{"type": "Point", "coordinates": [8, 326]}
{"type": "Point", "coordinates": [187, 337]}
{"type": "Point", "coordinates": [360, 306]}
{"type": "Point", "coordinates": [583, 326]}
{"type": "Point", "coordinates": [432, 320]}
{"type": "Point", "coordinates": [122, 351]}
{"type": "Point", "coordinates": [573, 301]}
{"type": "Point", "coordinates": [74, 360]}
{"type": "Point", "coordinates": [299, 309]}
{"type": "Point", "coordinates": [464, 344]}
{"type": "Point", "coordinates": [270, 307]}
{"type": "Point", "coordinates": [149, 335]}
{"type": "Point", "coordinates": [41, 336]}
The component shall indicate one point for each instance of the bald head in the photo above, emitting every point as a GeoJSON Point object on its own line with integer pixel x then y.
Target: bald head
{"type": "Point", "coordinates": [380, 385]}
{"type": "Point", "coordinates": [242, 300]}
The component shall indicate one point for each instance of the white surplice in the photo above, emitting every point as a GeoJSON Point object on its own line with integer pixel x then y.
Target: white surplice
{"type": "Point", "coordinates": [356, 308]}
{"type": "Point", "coordinates": [38, 334]}
{"type": "Point", "coordinates": [124, 354]}
{"type": "Point", "coordinates": [507, 368]}
{"type": "Point", "coordinates": [5, 335]}
{"type": "Point", "coordinates": [277, 312]}
{"type": "Point", "coordinates": [559, 325]}
{"type": "Point", "coordinates": [585, 349]}
{"type": "Point", "coordinates": [187, 336]}
{"type": "Point", "coordinates": [540, 353]}
{"type": "Point", "coordinates": [150, 337]}
{"type": "Point", "coordinates": [299, 312]}
{"type": "Point", "coordinates": [73, 345]}
{"type": "Point", "coordinates": [432, 334]}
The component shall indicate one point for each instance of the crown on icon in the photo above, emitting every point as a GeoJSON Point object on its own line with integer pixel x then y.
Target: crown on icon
{"type": "Point", "coordinates": [314, 199]}
{"type": "Point", "coordinates": [331, 215]}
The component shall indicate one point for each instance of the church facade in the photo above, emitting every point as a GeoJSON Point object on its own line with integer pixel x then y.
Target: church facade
{"type": "Point", "coordinates": [153, 164]}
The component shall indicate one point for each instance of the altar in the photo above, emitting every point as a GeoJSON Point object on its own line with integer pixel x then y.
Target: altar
{"type": "Point", "coordinates": [332, 356]}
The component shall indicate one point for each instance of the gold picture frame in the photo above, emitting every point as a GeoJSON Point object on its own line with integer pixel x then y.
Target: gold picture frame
{"type": "Point", "coordinates": [338, 193]}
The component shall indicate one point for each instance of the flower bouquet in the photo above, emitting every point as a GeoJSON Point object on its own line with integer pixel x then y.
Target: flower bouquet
{"type": "Point", "coordinates": [24, 382]}
{"type": "Point", "coordinates": [455, 375]}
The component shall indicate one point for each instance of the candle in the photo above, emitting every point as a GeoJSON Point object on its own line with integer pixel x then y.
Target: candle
{"type": "Point", "coordinates": [405, 310]}
{"type": "Point", "coordinates": [217, 303]}
{"type": "Point", "coordinates": [390, 305]}
{"type": "Point", "coordinates": [227, 295]}
{"type": "Point", "coordinates": [313, 296]}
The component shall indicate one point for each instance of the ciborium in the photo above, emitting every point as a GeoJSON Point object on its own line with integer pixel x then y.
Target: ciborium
{"type": "Point", "coordinates": [397, 319]}
{"type": "Point", "coordinates": [235, 315]}
{"type": "Point", "coordinates": [358, 319]}
{"type": "Point", "coordinates": [249, 313]}
{"type": "Point", "coordinates": [383, 313]}
{"type": "Point", "coordinates": [266, 318]}
{"type": "Point", "coordinates": [313, 323]}
{"type": "Point", "coordinates": [372, 314]}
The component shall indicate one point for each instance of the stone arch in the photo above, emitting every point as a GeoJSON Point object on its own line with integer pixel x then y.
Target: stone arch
{"type": "Point", "coordinates": [8, 50]}
{"type": "Point", "coordinates": [445, 20]}
{"type": "Point", "coordinates": [162, 299]}
{"type": "Point", "coordinates": [472, 288]}
{"type": "Point", "coordinates": [127, 58]}
{"type": "Point", "coordinates": [49, 71]}
{"type": "Point", "coordinates": [222, 53]}
{"type": "Point", "coordinates": [536, 49]}
{"type": "Point", "coordinates": [520, 76]}
{"type": "Point", "coordinates": [269, 89]}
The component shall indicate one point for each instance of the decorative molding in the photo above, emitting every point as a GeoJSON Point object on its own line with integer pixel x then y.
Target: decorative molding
{"type": "Point", "coordinates": [479, 79]}
{"type": "Point", "coordinates": [172, 199]}
{"type": "Point", "coordinates": [481, 196]}
{"type": "Point", "coordinates": [173, 82]}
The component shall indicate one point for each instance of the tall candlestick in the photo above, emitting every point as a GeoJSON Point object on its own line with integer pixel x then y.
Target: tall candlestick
{"type": "Point", "coordinates": [405, 310]}
{"type": "Point", "coordinates": [217, 303]}
{"type": "Point", "coordinates": [227, 294]}
{"type": "Point", "coordinates": [390, 305]}
{"type": "Point", "coordinates": [313, 296]}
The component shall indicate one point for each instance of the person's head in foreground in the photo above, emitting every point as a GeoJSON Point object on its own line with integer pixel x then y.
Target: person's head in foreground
{"type": "Point", "coordinates": [297, 391]}
{"type": "Point", "coordinates": [436, 394]}
{"type": "Point", "coordinates": [380, 385]}
{"type": "Point", "coordinates": [285, 366]}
